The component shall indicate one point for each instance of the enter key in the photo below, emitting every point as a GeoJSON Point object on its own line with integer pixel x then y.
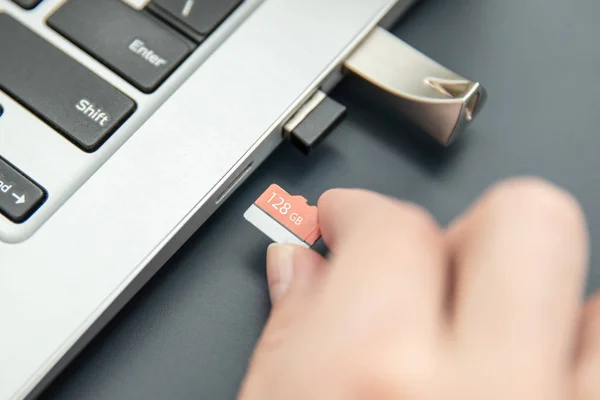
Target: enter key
{"type": "Point", "coordinates": [20, 197]}
{"type": "Point", "coordinates": [132, 43]}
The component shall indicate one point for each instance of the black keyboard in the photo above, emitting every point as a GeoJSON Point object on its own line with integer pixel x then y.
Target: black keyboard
{"type": "Point", "coordinates": [134, 45]}
{"type": "Point", "coordinates": [60, 91]}
{"type": "Point", "coordinates": [143, 47]}
{"type": "Point", "coordinates": [197, 19]}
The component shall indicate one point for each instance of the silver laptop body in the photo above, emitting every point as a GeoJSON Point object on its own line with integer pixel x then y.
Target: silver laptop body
{"type": "Point", "coordinates": [112, 217]}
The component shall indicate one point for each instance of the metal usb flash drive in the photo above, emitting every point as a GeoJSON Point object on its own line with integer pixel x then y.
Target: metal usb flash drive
{"type": "Point", "coordinates": [440, 101]}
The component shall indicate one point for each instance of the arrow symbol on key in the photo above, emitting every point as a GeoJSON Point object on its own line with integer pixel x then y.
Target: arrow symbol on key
{"type": "Point", "coordinates": [20, 199]}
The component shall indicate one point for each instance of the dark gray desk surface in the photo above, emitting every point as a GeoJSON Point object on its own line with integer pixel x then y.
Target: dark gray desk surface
{"type": "Point", "coordinates": [190, 331]}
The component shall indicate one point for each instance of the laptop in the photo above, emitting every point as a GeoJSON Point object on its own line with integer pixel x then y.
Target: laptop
{"type": "Point", "coordinates": [124, 124]}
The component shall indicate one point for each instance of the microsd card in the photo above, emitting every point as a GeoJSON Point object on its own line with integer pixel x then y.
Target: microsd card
{"type": "Point", "coordinates": [285, 218]}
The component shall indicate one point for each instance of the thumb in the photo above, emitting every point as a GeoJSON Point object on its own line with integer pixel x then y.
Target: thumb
{"type": "Point", "coordinates": [291, 268]}
{"type": "Point", "coordinates": [291, 273]}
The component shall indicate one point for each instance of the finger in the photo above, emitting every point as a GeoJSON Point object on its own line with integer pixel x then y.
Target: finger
{"type": "Point", "coordinates": [292, 274]}
{"type": "Point", "coordinates": [343, 211]}
{"type": "Point", "coordinates": [587, 378]}
{"type": "Point", "coordinates": [290, 265]}
{"type": "Point", "coordinates": [520, 257]}
{"type": "Point", "coordinates": [388, 260]}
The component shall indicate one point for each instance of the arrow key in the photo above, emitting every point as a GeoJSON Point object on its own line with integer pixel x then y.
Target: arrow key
{"type": "Point", "coordinates": [20, 197]}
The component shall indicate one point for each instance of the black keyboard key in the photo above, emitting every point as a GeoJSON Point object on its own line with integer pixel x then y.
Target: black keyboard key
{"type": "Point", "coordinates": [60, 91]}
{"type": "Point", "coordinates": [137, 47]}
{"type": "Point", "coordinates": [196, 18]}
{"type": "Point", "coordinates": [20, 197]}
{"type": "Point", "coordinates": [28, 4]}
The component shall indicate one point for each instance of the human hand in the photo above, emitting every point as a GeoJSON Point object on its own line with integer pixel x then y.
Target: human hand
{"type": "Point", "coordinates": [490, 308]}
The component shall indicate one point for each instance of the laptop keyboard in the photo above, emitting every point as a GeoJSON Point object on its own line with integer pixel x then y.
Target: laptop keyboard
{"type": "Point", "coordinates": [196, 19]}
{"type": "Point", "coordinates": [133, 44]}
{"type": "Point", "coordinates": [59, 90]}
{"type": "Point", "coordinates": [144, 47]}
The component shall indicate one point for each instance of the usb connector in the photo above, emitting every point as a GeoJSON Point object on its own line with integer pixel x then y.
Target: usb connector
{"type": "Point", "coordinates": [314, 121]}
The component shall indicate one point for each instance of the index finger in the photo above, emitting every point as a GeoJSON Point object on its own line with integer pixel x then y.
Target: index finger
{"type": "Point", "coordinates": [387, 256]}
{"type": "Point", "coordinates": [347, 215]}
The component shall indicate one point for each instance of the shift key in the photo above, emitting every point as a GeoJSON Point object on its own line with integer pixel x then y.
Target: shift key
{"type": "Point", "coordinates": [132, 43]}
{"type": "Point", "coordinates": [71, 99]}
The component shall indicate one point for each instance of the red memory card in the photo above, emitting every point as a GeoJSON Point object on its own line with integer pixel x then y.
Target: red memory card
{"type": "Point", "coordinates": [285, 218]}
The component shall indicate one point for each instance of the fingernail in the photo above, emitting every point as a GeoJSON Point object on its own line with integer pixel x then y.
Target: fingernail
{"type": "Point", "coordinates": [280, 269]}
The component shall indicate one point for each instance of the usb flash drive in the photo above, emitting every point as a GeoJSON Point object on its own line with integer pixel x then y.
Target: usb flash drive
{"type": "Point", "coordinates": [440, 101]}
